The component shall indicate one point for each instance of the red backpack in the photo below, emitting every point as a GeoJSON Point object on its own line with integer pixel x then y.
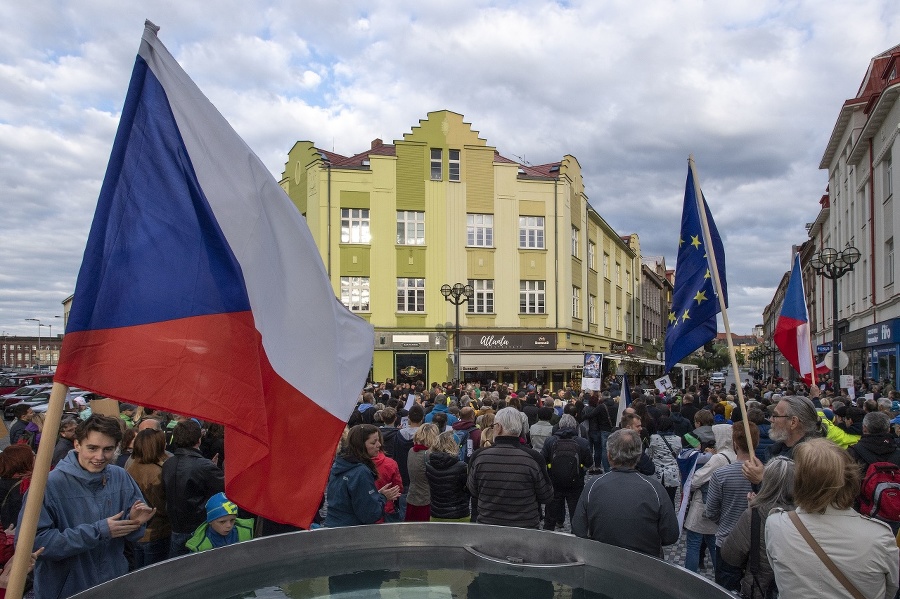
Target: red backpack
{"type": "Point", "coordinates": [879, 496]}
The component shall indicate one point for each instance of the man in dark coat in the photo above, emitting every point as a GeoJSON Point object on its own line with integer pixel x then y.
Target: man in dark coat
{"type": "Point", "coordinates": [876, 443]}
{"type": "Point", "coordinates": [565, 495]}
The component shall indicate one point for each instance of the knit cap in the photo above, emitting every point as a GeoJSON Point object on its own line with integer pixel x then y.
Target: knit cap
{"type": "Point", "coordinates": [218, 506]}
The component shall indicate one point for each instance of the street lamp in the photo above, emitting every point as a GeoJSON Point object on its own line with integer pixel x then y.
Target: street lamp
{"type": "Point", "coordinates": [833, 264]}
{"type": "Point", "coordinates": [38, 356]}
{"type": "Point", "coordinates": [457, 295]}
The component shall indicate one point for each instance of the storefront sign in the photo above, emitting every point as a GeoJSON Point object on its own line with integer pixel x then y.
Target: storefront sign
{"type": "Point", "coordinates": [507, 341]}
{"type": "Point", "coordinates": [884, 332]}
{"type": "Point", "coordinates": [823, 349]}
{"type": "Point", "coordinates": [620, 347]}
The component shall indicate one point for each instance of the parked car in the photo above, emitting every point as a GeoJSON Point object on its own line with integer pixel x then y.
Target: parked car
{"type": "Point", "coordinates": [23, 393]}
{"type": "Point", "coordinates": [76, 401]}
{"type": "Point", "coordinates": [717, 378]}
{"type": "Point", "coordinates": [10, 382]}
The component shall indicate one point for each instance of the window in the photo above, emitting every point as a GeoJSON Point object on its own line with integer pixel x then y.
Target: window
{"type": "Point", "coordinates": [618, 318]}
{"type": "Point", "coordinates": [575, 235]}
{"type": "Point", "coordinates": [606, 314]}
{"type": "Point", "coordinates": [606, 265]}
{"type": "Point", "coordinates": [436, 164]}
{"type": "Point", "coordinates": [889, 262]}
{"type": "Point", "coordinates": [483, 300]}
{"type": "Point", "coordinates": [531, 297]}
{"type": "Point", "coordinates": [355, 293]}
{"type": "Point", "coordinates": [531, 232]}
{"type": "Point", "coordinates": [410, 228]}
{"type": "Point", "coordinates": [592, 249]}
{"type": "Point", "coordinates": [618, 274]}
{"type": "Point", "coordinates": [888, 177]}
{"type": "Point", "coordinates": [355, 225]}
{"type": "Point", "coordinates": [576, 302]}
{"type": "Point", "coordinates": [410, 295]}
{"type": "Point", "coordinates": [592, 309]}
{"type": "Point", "coordinates": [454, 166]}
{"type": "Point", "coordinates": [480, 230]}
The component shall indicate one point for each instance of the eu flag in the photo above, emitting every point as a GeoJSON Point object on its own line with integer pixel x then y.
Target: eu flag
{"type": "Point", "coordinates": [692, 318]}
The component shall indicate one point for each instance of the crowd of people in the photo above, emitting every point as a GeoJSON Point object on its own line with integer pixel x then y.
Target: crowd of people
{"type": "Point", "coordinates": [761, 507]}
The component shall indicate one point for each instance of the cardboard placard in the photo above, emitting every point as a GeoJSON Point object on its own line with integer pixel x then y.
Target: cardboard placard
{"type": "Point", "coordinates": [107, 407]}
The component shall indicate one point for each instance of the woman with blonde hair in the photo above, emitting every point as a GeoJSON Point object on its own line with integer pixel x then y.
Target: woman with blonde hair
{"type": "Point", "coordinates": [418, 499]}
{"type": "Point", "coordinates": [862, 551]}
{"type": "Point", "coordinates": [447, 481]}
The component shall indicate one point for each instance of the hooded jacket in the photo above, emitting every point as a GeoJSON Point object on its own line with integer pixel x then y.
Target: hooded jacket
{"type": "Point", "coordinates": [352, 497]}
{"type": "Point", "coordinates": [441, 407]}
{"type": "Point", "coordinates": [447, 486]}
{"type": "Point", "coordinates": [78, 550]}
{"type": "Point", "coordinates": [874, 448]}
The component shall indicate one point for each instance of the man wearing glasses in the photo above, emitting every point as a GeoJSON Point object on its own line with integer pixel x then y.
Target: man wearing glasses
{"type": "Point", "coordinates": [794, 421]}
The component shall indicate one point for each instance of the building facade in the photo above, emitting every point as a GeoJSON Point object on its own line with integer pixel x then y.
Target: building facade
{"type": "Point", "coordinates": [550, 278]}
{"type": "Point", "coordinates": [29, 352]}
{"type": "Point", "coordinates": [858, 211]}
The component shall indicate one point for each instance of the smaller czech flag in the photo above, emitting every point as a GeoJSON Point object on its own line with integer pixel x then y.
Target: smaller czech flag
{"type": "Point", "coordinates": [792, 329]}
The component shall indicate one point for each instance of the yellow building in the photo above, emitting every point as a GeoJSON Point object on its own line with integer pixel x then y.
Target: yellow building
{"type": "Point", "coordinates": [550, 278]}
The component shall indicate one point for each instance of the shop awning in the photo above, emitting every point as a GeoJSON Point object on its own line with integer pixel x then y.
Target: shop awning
{"type": "Point", "coordinates": [521, 361]}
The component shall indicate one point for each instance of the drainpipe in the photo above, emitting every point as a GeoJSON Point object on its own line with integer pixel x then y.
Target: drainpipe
{"type": "Point", "coordinates": [556, 246]}
{"type": "Point", "coordinates": [871, 226]}
{"type": "Point", "coordinates": [328, 217]}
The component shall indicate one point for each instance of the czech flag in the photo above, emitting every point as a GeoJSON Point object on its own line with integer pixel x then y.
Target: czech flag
{"type": "Point", "coordinates": [792, 329]}
{"type": "Point", "coordinates": [202, 293]}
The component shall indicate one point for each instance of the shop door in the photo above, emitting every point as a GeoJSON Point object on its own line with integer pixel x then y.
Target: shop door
{"type": "Point", "coordinates": [411, 367]}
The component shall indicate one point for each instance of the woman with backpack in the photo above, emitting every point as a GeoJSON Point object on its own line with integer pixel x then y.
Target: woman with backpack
{"type": "Point", "coordinates": [568, 458]}
{"type": "Point", "coordinates": [447, 475]}
{"type": "Point", "coordinates": [745, 546]}
{"type": "Point", "coordinates": [665, 446]}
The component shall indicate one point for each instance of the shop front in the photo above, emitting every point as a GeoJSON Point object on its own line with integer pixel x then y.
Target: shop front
{"type": "Point", "coordinates": [517, 359]}
{"type": "Point", "coordinates": [873, 351]}
{"type": "Point", "coordinates": [409, 357]}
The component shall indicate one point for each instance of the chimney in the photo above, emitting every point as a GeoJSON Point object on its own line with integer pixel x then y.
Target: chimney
{"type": "Point", "coordinates": [376, 143]}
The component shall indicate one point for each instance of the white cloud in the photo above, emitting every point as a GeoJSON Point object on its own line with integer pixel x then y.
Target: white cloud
{"type": "Point", "coordinates": [751, 88]}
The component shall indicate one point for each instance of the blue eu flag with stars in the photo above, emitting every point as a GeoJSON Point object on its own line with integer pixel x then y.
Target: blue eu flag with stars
{"type": "Point", "coordinates": [692, 317]}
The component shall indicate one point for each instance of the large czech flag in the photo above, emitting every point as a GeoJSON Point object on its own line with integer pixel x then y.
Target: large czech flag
{"type": "Point", "coordinates": [792, 328]}
{"type": "Point", "coordinates": [202, 292]}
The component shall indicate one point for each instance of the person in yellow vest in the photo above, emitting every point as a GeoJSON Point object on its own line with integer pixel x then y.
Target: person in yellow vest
{"type": "Point", "coordinates": [222, 526]}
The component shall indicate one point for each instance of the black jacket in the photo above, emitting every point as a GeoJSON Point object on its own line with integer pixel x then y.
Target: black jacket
{"type": "Point", "coordinates": [585, 456]}
{"type": "Point", "coordinates": [447, 483]}
{"type": "Point", "coordinates": [189, 480]}
{"type": "Point", "coordinates": [874, 448]}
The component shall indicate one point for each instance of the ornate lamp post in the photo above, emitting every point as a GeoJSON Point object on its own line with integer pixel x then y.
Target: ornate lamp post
{"type": "Point", "coordinates": [833, 264]}
{"type": "Point", "coordinates": [457, 295]}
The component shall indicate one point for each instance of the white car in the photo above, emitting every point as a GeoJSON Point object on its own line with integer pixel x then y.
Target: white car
{"type": "Point", "coordinates": [717, 378]}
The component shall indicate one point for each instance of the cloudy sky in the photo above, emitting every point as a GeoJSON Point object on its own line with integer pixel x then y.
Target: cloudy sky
{"type": "Point", "coordinates": [751, 88]}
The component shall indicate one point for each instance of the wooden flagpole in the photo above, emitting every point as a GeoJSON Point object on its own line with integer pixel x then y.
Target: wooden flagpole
{"type": "Point", "coordinates": [714, 271]}
{"type": "Point", "coordinates": [32, 511]}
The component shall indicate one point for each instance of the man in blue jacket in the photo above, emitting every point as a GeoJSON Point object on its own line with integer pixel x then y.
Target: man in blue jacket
{"type": "Point", "coordinates": [90, 509]}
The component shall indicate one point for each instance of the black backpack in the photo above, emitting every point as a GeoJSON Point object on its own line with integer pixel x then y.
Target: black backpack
{"type": "Point", "coordinates": [565, 465]}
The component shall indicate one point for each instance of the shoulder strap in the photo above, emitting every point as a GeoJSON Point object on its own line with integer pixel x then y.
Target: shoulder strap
{"type": "Point", "coordinates": [663, 437]}
{"type": "Point", "coordinates": [845, 582]}
{"type": "Point", "coordinates": [753, 558]}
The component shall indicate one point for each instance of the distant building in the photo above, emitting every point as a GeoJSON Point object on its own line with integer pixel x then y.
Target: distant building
{"type": "Point", "coordinates": [395, 222]}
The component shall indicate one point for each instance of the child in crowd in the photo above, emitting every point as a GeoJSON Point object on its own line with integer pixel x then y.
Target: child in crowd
{"type": "Point", "coordinates": [222, 526]}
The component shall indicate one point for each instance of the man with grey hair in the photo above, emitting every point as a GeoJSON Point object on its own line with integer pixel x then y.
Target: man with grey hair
{"type": "Point", "coordinates": [646, 521]}
{"type": "Point", "coordinates": [794, 420]}
{"type": "Point", "coordinates": [876, 443]}
{"type": "Point", "coordinates": [568, 458]}
{"type": "Point", "coordinates": [508, 479]}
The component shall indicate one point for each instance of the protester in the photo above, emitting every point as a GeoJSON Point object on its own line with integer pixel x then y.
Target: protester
{"type": "Point", "coordinates": [16, 464]}
{"type": "Point", "coordinates": [23, 414]}
{"type": "Point", "coordinates": [449, 497]}
{"type": "Point", "coordinates": [745, 546]}
{"type": "Point", "coordinates": [509, 480]}
{"type": "Point", "coordinates": [794, 420]}
{"type": "Point", "coordinates": [665, 446]}
{"type": "Point", "coordinates": [388, 473]}
{"type": "Point", "coordinates": [826, 483]}
{"type": "Point", "coordinates": [568, 458]}
{"type": "Point", "coordinates": [418, 500]}
{"type": "Point", "coordinates": [189, 480]}
{"type": "Point", "coordinates": [647, 521]}
{"type": "Point", "coordinates": [353, 498]}
{"type": "Point", "coordinates": [222, 526]}
{"type": "Point", "coordinates": [90, 509]}
{"type": "Point", "coordinates": [66, 441]}
{"type": "Point", "coordinates": [146, 467]}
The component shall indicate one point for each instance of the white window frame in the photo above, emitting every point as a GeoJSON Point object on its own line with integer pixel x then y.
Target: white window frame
{"type": "Point", "coordinates": [453, 169]}
{"type": "Point", "coordinates": [355, 293]}
{"type": "Point", "coordinates": [531, 232]}
{"type": "Point", "coordinates": [606, 315]}
{"type": "Point", "coordinates": [437, 164]}
{"type": "Point", "coordinates": [410, 295]}
{"type": "Point", "coordinates": [355, 226]}
{"type": "Point", "coordinates": [592, 309]}
{"type": "Point", "coordinates": [619, 318]}
{"type": "Point", "coordinates": [575, 240]}
{"type": "Point", "coordinates": [618, 274]}
{"type": "Point", "coordinates": [576, 302]}
{"type": "Point", "coordinates": [592, 249]}
{"type": "Point", "coordinates": [479, 230]}
{"type": "Point", "coordinates": [532, 297]}
{"type": "Point", "coordinates": [606, 265]}
{"type": "Point", "coordinates": [482, 302]}
{"type": "Point", "coordinates": [410, 227]}
{"type": "Point", "coordinates": [889, 262]}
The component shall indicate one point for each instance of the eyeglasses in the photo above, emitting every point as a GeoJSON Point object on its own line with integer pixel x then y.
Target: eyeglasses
{"type": "Point", "coordinates": [782, 416]}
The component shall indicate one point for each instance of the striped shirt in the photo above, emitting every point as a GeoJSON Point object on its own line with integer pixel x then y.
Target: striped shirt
{"type": "Point", "coordinates": [727, 499]}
